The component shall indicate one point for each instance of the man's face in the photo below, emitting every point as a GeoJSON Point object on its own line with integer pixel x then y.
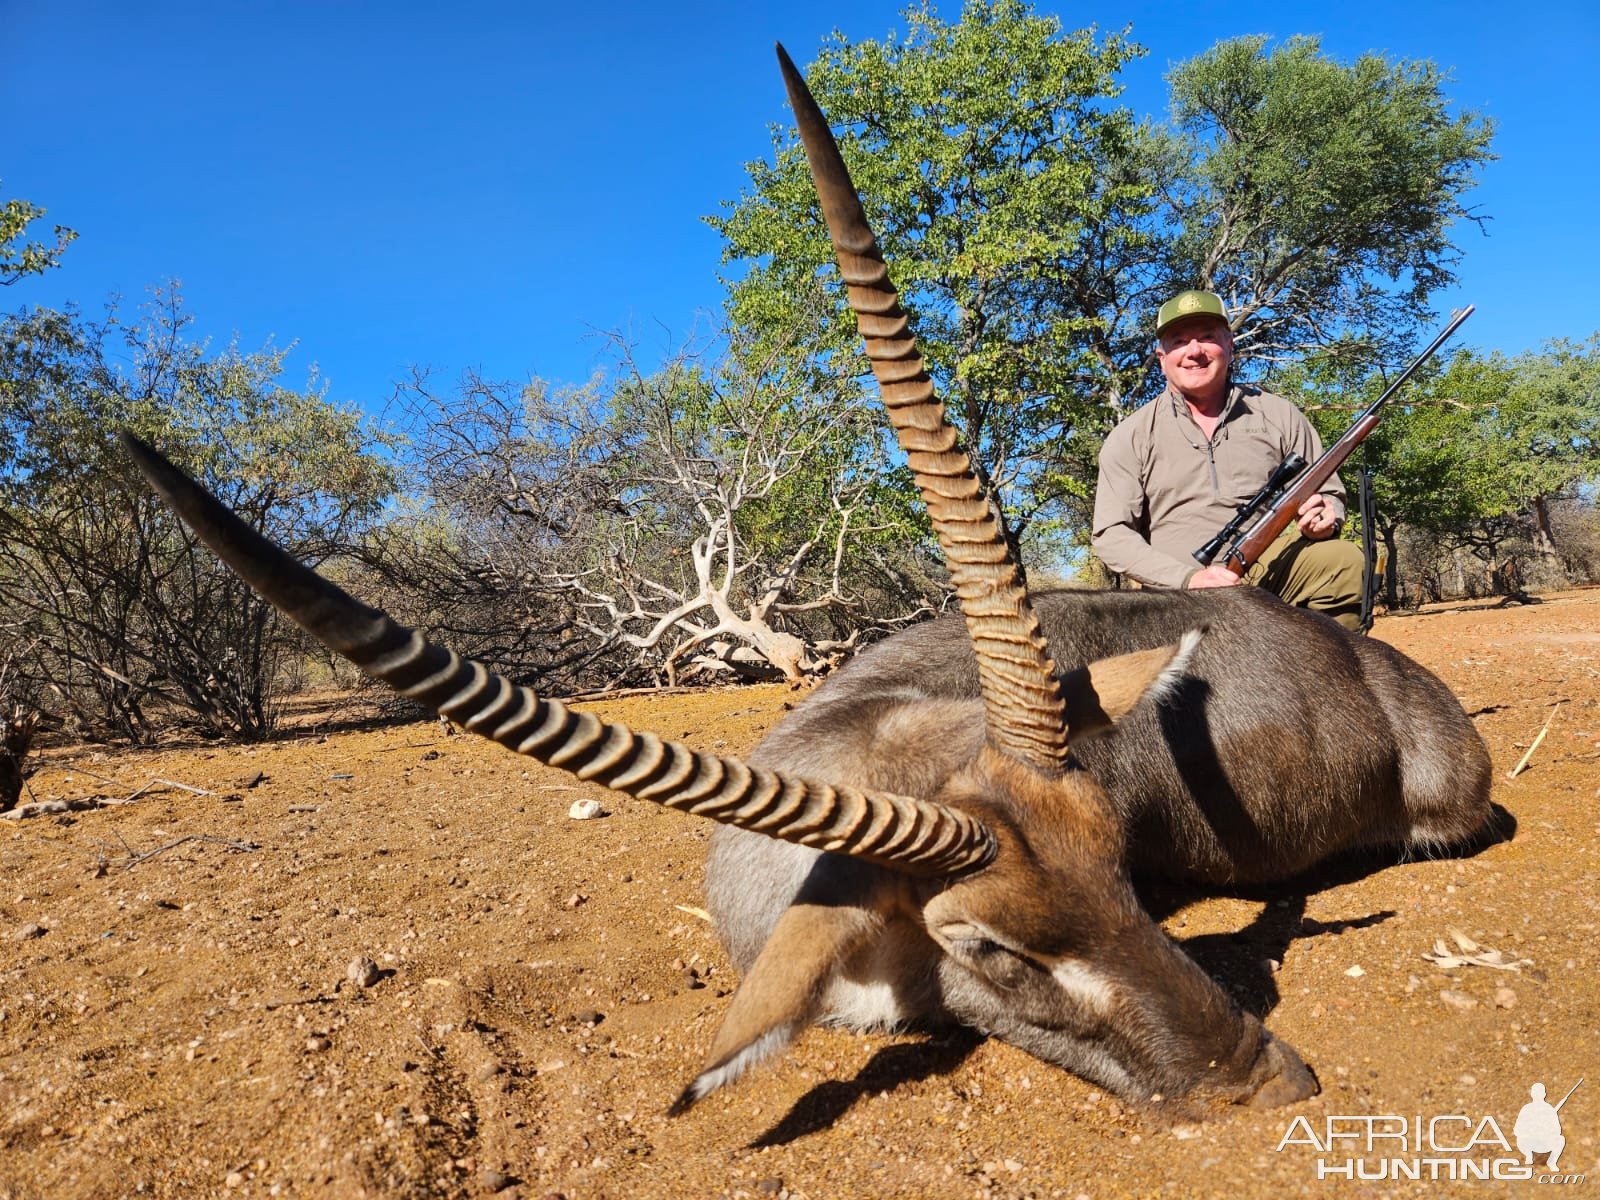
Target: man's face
{"type": "Point", "coordinates": [1195, 353]}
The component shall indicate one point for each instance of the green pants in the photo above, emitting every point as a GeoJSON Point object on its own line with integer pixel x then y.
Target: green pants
{"type": "Point", "coordinates": [1322, 576]}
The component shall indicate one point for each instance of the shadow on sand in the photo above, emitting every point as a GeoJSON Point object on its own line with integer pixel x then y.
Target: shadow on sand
{"type": "Point", "coordinates": [889, 1068]}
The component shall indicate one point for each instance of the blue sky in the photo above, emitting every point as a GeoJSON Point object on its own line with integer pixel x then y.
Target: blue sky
{"type": "Point", "coordinates": [487, 185]}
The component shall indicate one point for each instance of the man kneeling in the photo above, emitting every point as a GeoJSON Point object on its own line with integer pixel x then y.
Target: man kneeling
{"type": "Point", "coordinates": [1175, 472]}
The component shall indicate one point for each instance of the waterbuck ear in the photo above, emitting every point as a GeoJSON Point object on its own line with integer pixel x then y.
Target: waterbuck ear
{"type": "Point", "coordinates": [784, 990]}
{"type": "Point", "coordinates": [1102, 693]}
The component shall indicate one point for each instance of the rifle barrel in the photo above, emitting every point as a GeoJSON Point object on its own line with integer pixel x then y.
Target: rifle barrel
{"type": "Point", "coordinates": [1570, 1090]}
{"type": "Point", "coordinates": [1455, 323]}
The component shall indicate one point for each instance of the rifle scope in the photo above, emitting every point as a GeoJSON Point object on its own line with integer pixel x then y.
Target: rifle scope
{"type": "Point", "coordinates": [1280, 478]}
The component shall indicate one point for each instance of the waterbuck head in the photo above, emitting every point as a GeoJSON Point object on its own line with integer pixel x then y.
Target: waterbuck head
{"type": "Point", "coordinates": [1009, 867]}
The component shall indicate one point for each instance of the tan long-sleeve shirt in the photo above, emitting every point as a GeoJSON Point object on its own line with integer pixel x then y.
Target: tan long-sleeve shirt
{"type": "Point", "coordinates": [1165, 489]}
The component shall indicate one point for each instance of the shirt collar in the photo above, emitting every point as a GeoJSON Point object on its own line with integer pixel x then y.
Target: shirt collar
{"type": "Point", "coordinates": [1229, 406]}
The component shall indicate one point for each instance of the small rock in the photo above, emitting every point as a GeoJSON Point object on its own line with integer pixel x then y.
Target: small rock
{"type": "Point", "coordinates": [317, 1044]}
{"type": "Point", "coordinates": [1504, 997]}
{"type": "Point", "coordinates": [1468, 1080]}
{"type": "Point", "coordinates": [769, 1187]}
{"type": "Point", "coordinates": [1355, 972]}
{"type": "Point", "coordinates": [576, 899]}
{"type": "Point", "coordinates": [233, 1180]}
{"type": "Point", "coordinates": [362, 972]}
{"type": "Point", "coordinates": [585, 810]}
{"type": "Point", "coordinates": [1459, 1001]}
{"type": "Point", "coordinates": [30, 931]}
{"type": "Point", "coordinates": [589, 1016]}
{"type": "Point", "coordinates": [493, 1181]}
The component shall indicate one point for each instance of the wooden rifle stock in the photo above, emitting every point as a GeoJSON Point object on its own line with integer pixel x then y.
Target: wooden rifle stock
{"type": "Point", "coordinates": [1239, 557]}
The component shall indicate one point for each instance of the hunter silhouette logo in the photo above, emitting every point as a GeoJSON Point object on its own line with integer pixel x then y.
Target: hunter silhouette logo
{"type": "Point", "coordinates": [1538, 1127]}
{"type": "Point", "coordinates": [1385, 1146]}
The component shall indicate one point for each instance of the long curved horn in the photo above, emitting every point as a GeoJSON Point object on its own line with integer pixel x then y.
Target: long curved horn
{"type": "Point", "coordinates": [915, 837]}
{"type": "Point", "coordinates": [1022, 697]}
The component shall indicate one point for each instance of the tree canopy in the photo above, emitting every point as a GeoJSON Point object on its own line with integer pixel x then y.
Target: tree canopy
{"type": "Point", "coordinates": [1320, 198]}
{"type": "Point", "coordinates": [1033, 226]}
{"type": "Point", "coordinates": [20, 258]}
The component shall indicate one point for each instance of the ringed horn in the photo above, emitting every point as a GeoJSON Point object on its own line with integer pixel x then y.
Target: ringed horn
{"type": "Point", "coordinates": [1022, 696]}
{"type": "Point", "coordinates": [912, 836]}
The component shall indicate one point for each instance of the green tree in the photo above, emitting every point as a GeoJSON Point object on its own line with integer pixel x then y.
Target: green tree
{"type": "Point", "coordinates": [126, 619]}
{"type": "Point", "coordinates": [19, 258]}
{"type": "Point", "coordinates": [1471, 459]}
{"type": "Point", "coordinates": [977, 147]}
{"type": "Point", "coordinates": [1318, 197]}
{"type": "Point", "coordinates": [1549, 422]}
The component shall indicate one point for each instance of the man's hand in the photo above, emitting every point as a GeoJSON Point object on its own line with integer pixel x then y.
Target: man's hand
{"type": "Point", "coordinates": [1213, 576]}
{"type": "Point", "coordinates": [1319, 518]}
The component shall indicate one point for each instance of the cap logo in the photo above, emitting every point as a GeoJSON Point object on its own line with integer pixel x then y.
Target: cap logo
{"type": "Point", "coordinates": [1189, 302]}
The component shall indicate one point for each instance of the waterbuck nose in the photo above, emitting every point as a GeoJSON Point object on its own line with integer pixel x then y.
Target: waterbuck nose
{"type": "Point", "coordinates": [1288, 1078]}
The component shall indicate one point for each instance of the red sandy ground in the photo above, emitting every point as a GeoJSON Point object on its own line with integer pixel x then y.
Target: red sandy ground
{"type": "Point", "coordinates": [175, 1018]}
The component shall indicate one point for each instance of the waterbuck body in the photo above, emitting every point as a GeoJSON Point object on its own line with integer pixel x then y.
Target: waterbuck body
{"type": "Point", "coordinates": [944, 831]}
{"type": "Point", "coordinates": [1288, 739]}
{"type": "Point", "coordinates": [1285, 740]}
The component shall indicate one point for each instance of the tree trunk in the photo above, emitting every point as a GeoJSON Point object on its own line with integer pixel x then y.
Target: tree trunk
{"type": "Point", "coordinates": [1391, 572]}
{"type": "Point", "coordinates": [1544, 541]}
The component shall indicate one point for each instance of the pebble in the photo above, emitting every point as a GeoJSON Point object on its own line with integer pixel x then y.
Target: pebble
{"type": "Point", "coordinates": [493, 1181]}
{"type": "Point", "coordinates": [585, 810]}
{"type": "Point", "coordinates": [317, 1043]}
{"type": "Point", "coordinates": [1459, 1001]}
{"type": "Point", "coordinates": [1504, 997]}
{"type": "Point", "coordinates": [362, 972]}
{"type": "Point", "coordinates": [30, 931]}
{"type": "Point", "coordinates": [1355, 972]}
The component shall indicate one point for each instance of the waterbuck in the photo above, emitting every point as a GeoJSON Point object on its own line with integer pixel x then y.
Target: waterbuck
{"type": "Point", "coordinates": [943, 832]}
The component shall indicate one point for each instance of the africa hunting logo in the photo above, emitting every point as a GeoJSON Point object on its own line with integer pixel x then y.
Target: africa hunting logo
{"type": "Point", "coordinates": [1391, 1146]}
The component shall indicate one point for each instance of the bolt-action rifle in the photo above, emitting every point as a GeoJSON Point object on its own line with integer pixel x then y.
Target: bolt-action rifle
{"type": "Point", "coordinates": [1244, 551]}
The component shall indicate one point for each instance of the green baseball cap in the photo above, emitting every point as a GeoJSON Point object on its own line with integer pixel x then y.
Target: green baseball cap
{"type": "Point", "coordinates": [1190, 303]}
